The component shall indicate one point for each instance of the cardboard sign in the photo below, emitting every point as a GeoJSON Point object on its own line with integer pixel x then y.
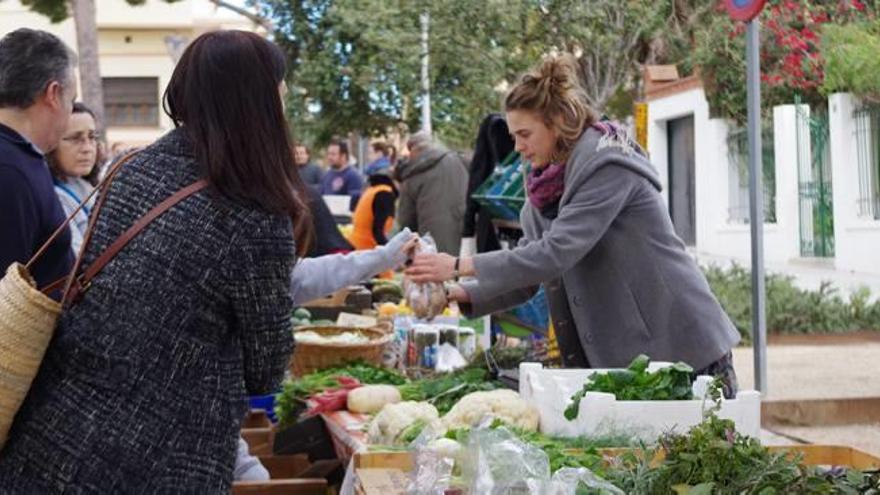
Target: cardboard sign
{"type": "Point", "coordinates": [641, 118]}
{"type": "Point", "coordinates": [353, 320]}
{"type": "Point", "coordinates": [382, 481]}
{"type": "Point", "coordinates": [338, 204]}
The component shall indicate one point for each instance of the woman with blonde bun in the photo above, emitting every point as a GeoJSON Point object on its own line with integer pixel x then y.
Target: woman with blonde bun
{"type": "Point", "coordinates": [598, 236]}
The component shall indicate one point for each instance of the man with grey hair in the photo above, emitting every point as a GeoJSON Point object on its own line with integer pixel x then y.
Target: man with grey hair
{"type": "Point", "coordinates": [37, 91]}
{"type": "Point", "coordinates": [433, 192]}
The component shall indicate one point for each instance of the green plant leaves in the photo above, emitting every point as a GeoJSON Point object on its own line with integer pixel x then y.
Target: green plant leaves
{"type": "Point", "coordinates": [636, 383]}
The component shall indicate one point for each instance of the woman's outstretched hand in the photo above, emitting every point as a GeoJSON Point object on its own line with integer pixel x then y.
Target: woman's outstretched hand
{"type": "Point", "coordinates": [434, 267]}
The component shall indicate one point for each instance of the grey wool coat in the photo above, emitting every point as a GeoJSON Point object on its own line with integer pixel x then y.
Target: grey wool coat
{"type": "Point", "coordinates": [619, 281]}
{"type": "Point", "coordinates": [143, 388]}
{"type": "Point", "coordinates": [432, 197]}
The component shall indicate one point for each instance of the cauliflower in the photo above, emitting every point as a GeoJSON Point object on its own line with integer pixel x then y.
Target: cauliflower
{"type": "Point", "coordinates": [395, 422]}
{"type": "Point", "coordinates": [448, 449]}
{"type": "Point", "coordinates": [505, 405]}
{"type": "Point", "coordinates": [445, 447]}
{"type": "Point", "coordinates": [372, 398]}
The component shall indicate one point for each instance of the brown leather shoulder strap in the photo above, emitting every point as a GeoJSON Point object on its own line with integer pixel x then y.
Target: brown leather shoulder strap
{"type": "Point", "coordinates": [93, 220]}
{"type": "Point", "coordinates": [56, 285]}
{"type": "Point", "coordinates": [83, 281]}
{"type": "Point", "coordinates": [102, 185]}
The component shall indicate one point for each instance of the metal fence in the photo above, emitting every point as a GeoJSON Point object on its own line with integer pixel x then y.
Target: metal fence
{"type": "Point", "coordinates": [738, 176]}
{"type": "Point", "coordinates": [867, 138]}
{"type": "Point", "coordinates": [814, 184]}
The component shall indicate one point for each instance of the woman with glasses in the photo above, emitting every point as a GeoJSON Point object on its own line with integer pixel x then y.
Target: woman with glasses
{"type": "Point", "coordinates": [75, 169]}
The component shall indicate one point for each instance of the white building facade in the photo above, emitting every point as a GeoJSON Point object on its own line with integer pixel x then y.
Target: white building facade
{"type": "Point", "coordinates": [136, 45]}
{"type": "Point", "coordinates": [822, 179]}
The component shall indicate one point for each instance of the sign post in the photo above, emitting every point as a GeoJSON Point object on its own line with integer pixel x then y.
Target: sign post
{"type": "Point", "coordinates": [747, 11]}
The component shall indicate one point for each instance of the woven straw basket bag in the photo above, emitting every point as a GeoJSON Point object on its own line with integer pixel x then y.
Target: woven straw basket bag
{"type": "Point", "coordinates": [27, 321]}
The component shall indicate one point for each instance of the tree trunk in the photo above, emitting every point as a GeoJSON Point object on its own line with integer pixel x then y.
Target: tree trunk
{"type": "Point", "coordinates": [87, 49]}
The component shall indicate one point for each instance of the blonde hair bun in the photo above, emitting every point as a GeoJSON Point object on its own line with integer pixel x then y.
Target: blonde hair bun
{"type": "Point", "coordinates": [558, 75]}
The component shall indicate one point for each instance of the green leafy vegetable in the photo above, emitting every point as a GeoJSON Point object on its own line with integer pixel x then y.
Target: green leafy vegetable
{"type": "Point", "coordinates": [712, 458]}
{"type": "Point", "coordinates": [637, 383]}
{"type": "Point", "coordinates": [411, 432]}
{"type": "Point", "coordinates": [444, 391]}
{"type": "Point", "coordinates": [562, 452]}
{"type": "Point", "coordinates": [499, 357]}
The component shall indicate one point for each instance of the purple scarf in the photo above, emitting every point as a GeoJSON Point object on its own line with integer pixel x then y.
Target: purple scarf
{"type": "Point", "coordinates": [545, 185]}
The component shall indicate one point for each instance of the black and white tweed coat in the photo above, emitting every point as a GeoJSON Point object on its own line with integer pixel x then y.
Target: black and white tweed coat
{"type": "Point", "coordinates": [143, 387]}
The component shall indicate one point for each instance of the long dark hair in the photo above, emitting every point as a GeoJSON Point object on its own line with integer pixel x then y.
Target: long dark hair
{"type": "Point", "coordinates": [224, 93]}
{"type": "Point", "coordinates": [52, 158]}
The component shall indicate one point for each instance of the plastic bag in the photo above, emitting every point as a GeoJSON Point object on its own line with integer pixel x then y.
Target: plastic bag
{"type": "Point", "coordinates": [426, 300]}
{"type": "Point", "coordinates": [432, 467]}
{"type": "Point", "coordinates": [449, 359]}
{"type": "Point", "coordinates": [497, 462]}
{"type": "Point", "coordinates": [566, 481]}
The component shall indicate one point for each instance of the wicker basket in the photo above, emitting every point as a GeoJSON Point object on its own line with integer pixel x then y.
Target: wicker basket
{"type": "Point", "coordinates": [309, 357]}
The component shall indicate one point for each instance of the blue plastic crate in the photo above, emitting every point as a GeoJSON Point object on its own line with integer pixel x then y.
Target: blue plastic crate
{"type": "Point", "coordinates": [535, 312]}
{"type": "Point", "coordinates": [266, 402]}
{"type": "Point", "coordinates": [502, 193]}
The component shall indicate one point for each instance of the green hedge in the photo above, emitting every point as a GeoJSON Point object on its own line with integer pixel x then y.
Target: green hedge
{"type": "Point", "coordinates": [852, 59]}
{"type": "Point", "coordinates": [792, 310]}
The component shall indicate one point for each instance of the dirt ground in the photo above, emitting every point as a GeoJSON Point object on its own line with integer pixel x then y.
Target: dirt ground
{"type": "Point", "coordinates": [804, 368]}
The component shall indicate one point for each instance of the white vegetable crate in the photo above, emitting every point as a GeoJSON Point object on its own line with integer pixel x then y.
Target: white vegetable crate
{"type": "Point", "coordinates": [600, 414]}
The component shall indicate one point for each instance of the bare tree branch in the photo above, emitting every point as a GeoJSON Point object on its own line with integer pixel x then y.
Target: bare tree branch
{"type": "Point", "coordinates": [256, 18]}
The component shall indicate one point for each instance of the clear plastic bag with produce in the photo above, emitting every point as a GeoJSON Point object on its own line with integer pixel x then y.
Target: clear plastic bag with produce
{"type": "Point", "coordinates": [497, 462]}
{"type": "Point", "coordinates": [449, 359]}
{"type": "Point", "coordinates": [434, 463]}
{"type": "Point", "coordinates": [426, 300]}
{"type": "Point", "coordinates": [567, 481]}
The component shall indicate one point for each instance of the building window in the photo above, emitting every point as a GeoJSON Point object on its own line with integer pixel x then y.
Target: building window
{"type": "Point", "coordinates": [131, 101]}
{"type": "Point", "coordinates": [738, 176]}
{"type": "Point", "coordinates": [867, 124]}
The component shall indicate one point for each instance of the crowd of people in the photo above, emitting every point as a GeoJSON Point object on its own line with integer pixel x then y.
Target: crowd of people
{"type": "Point", "coordinates": [144, 385]}
{"type": "Point", "coordinates": [425, 190]}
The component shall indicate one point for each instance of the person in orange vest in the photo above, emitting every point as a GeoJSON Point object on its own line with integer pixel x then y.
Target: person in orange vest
{"type": "Point", "coordinates": [374, 216]}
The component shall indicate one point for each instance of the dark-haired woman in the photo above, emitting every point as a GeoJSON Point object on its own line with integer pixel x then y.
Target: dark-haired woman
{"type": "Point", "coordinates": [598, 236]}
{"type": "Point", "coordinates": [143, 388]}
{"type": "Point", "coordinates": [75, 168]}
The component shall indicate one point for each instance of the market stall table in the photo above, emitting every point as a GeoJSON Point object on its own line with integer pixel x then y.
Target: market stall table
{"type": "Point", "coordinates": [348, 432]}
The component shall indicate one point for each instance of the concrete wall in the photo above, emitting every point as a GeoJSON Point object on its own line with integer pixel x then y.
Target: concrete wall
{"type": "Point", "coordinates": [857, 239]}
{"type": "Point", "coordinates": [784, 244]}
{"type": "Point", "coordinates": [715, 233]}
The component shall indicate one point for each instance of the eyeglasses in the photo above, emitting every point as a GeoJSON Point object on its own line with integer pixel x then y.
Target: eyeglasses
{"type": "Point", "coordinates": [81, 140]}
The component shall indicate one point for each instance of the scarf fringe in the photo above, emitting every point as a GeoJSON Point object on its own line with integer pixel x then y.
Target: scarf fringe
{"type": "Point", "coordinates": [614, 136]}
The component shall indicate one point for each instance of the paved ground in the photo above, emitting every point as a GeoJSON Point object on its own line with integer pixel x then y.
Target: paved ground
{"type": "Point", "coordinates": [815, 372]}
{"type": "Point", "coordinates": [838, 368]}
